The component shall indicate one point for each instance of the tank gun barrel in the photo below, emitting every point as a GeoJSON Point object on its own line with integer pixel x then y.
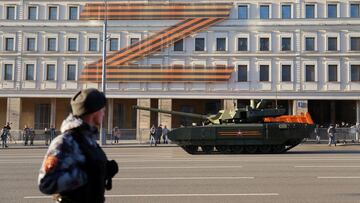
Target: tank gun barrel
{"type": "Point", "coordinates": [178, 113]}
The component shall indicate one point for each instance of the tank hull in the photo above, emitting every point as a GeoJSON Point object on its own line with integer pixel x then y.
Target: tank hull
{"type": "Point", "coordinates": [241, 138]}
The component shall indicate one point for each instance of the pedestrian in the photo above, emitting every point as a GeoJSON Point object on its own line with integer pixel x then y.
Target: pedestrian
{"type": "Point", "coordinates": [75, 168]}
{"type": "Point", "coordinates": [52, 133]}
{"type": "Point", "coordinates": [32, 136]}
{"type": "Point", "coordinates": [116, 135]}
{"type": "Point", "coordinates": [158, 134]}
{"type": "Point", "coordinates": [47, 136]}
{"type": "Point", "coordinates": [317, 136]}
{"type": "Point", "coordinates": [165, 132]}
{"type": "Point", "coordinates": [5, 132]}
{"type": "Point", "coordinates": [331, 134]}
{"type": "Point", "coordinates": [26, 134]}
{"type": "Point", "coordinates": [152, 136]}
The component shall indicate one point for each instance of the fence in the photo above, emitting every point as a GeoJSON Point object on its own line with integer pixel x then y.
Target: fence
{"type": "Point", "coordinates": [341, 134]}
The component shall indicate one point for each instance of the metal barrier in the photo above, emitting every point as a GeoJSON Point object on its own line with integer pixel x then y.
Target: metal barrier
{"type": "Point", "coordinates": [341, 134]}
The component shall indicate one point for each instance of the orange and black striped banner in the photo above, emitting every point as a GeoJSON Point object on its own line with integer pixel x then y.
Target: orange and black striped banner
{"type": "Point", "coordinates": [156, 74]}
{"type": "Point", "coordinates": [195, 18]}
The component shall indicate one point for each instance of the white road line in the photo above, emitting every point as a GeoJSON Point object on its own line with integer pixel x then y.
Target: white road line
{"type": "Point", "coordinates": [172, 195]}
{"type": "Point", "coordinates": [339, 177]}
{"type": "Point", "coordinates": [178, 167]}
{"type": "Point", "coordinates": [187, 178]}
{"type": "Point", "coordinates": [327, 166]}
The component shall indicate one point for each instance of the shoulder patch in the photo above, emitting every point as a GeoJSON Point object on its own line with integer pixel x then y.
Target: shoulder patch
{"type": "Point", "coordinates": [50, 163]}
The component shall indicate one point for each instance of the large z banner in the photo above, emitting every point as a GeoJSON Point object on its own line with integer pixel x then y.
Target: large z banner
{"type": "Point", "coordinates": [192, 18]}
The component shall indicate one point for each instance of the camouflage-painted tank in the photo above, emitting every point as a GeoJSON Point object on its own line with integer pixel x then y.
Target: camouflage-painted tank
{"type": "Point", "coordinates": [244, 130]}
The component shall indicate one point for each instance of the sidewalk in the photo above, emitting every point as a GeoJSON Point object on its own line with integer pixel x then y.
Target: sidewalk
{"type": "Point", "coordinates": [40, 144]}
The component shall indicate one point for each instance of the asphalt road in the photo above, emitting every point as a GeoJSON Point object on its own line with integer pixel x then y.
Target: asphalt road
{"type": "Point", "coordinates": [308, 173]}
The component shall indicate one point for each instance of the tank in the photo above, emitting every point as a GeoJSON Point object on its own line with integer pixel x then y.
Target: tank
{"type": "Point", "coordinates": [246, 130]}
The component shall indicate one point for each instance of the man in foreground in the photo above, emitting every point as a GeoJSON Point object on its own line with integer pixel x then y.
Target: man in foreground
{"type": "Point", "coordinates": [75, 168]}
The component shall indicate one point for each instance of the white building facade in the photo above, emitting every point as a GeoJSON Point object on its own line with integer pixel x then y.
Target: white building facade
{"type": "Point", "coordinates": [305, 54]}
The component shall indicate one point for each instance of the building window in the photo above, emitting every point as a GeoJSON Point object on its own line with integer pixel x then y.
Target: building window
{"type": "Point", "coordinates": [51, 44]}
{"type": "Point", "coordinates": [93, 44]}
{"type": "Point", "coordinates": [286, 73]}
{"type": "Point", "coordinates": [355, 73]}
{"type": "Point", "coordinates": [243, 12]}
{"type": "Point", "coordinates": [114, 44]}
{"type": "Point", "coordinates": [134, 40]}
{"type": "Point", "coordinates": [179, 45]}
{"type": "Point", "coordinates": [9, 44]}
{"type": "Point", "coordinates": [8, 72]}
{"type": "Point", "coordinates": [242, 73]}
{"type": "Point", "coordinates": [310, 73]}
{"type": "Point", "coordinates": [42, 116]}
{"type": "Point", "coordinates": [332, 10]}
{"type": "Point", "coordinates": [332, 73]}
{"type": "Point", "coordinates": [355, 43]}
{"type": "Point", "coordinates": [30, 44]}
{"type": "Point", "coordinates": [264, 44]}
{"type": "Point", "coordinates": [73, 13]}
{"type": "Point", "coordinates": [309, 11]}
{"type": "Point", "coordinates": [50, 72]}
{"type": "Point", "coordinates": [29, 71]}
{"type": "Point", "coordinates": [310, 44]}
{"type": "Point", "coordinates": [199, 44]}
{"type": "Point", "coordinates": [285, 44]}
{"type": "Point", "coordinates": [355, 10]}
{"type": "Point", "coordinates": [264, 73]}
{"type": "Point", "coordinates": [72, 44]}
{"type": "Point", "coordinates": [286, 11]}
{"type": "Point", "coordinates": [10, 13]}
{"type": "Point", "coordinates": [264, 12]}
{"type": "Point", "coordinates": [71, 72]}
{"type": "Point", "coordinates": [52, 13]}
{"type": "Point", "coordinates": [242, 44]}
{"type": "Point", "coordinates": [332, 43]}
{"type": "Point", "coordinates": [221, 44]}
{"type": "Point", "coordinates": [32, 13]}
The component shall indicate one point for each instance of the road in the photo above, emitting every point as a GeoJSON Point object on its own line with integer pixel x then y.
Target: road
{"type": "Point", "coordinates": [308, 173]}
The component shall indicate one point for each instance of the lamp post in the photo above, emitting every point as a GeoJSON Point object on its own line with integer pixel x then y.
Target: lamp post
{"type": "Point", "coordinates": [103, 80]}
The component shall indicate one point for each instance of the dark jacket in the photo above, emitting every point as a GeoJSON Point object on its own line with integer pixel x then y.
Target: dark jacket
{"type": "Point", "coordinates": [75, 167]}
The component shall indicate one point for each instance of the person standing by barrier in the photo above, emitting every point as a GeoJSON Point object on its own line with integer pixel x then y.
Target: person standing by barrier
{"type": "Point", "coordinates": [152, 135]}
{"type": "Point", "coordinates": [165, 132]}
{"type": "Point", "coordinates": [46, 136]}
{"type": "Point", "coordinates": [317, 136]}
{"type": "Point", "coordinates": [32, 136]}
{"type": "Point", "coordinates": [331, 134]}
{"type": "Point", "coordinates": [26, 134]}
{"type": "Point", "coordinates": [75, 168]}
{"type": "Point", "coordinates": [158, 133]}
{"type": "Point", "coordinates": [52, 133]}
{"type": "Point", "coordinates": [5, 134]}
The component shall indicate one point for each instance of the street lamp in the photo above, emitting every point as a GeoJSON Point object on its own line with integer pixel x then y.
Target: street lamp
{"type": "Point", "coordinates": [103, 81]}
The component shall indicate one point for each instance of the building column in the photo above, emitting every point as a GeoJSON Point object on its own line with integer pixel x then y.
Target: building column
{"type": "Point", "coordinates": [357, 120]}
{"type": "Point", "coordinates": [300, 106]}
{"type": "Point", "coordinates": [110, 114]}
{"type": "Point", "coordinates": [230, 104]}
{"type": "Point", "coordinates": [13, 112]}
{"type": "Point", "coordinates": [52, 112]}
{"type": "Point", "coordinates": [143, 121]}
{"type": "Point", "coordinates": [165, 119]}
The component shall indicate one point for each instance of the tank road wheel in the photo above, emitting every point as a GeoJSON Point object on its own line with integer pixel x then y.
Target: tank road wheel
{"type": "Point", "coordinates": [237, 149]}
{"type": "Point", "coordinates": [251, 149]}
{"type": "Point", "coordinates": [222, 148]}
{"type": "Point", "coordinates": [207, 149]}
{"type": "Point", "coordinates": [277, 149]}
{"type": "Point", "coordinates": [191, 149]}
{"type": "Point", "coordinates": [264, 149]}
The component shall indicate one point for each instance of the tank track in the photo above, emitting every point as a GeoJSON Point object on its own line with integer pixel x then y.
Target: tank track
{"type": "Point", "coordinates": [238, 149]}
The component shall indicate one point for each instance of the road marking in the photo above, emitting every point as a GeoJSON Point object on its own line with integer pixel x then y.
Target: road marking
{"type": "Point", "coordinates": [171, 195]}
{"type": "Point", "coordinates": [327, 166]}
{"type": "Point", "coordinates": [339, 177]}
{"type": "Point", "coordinates": [186, 178]}
{"type": "Point", "coordinates": [178, 167]}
